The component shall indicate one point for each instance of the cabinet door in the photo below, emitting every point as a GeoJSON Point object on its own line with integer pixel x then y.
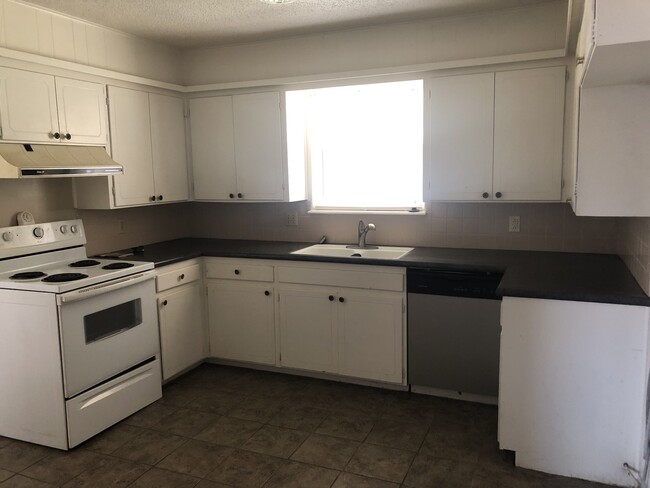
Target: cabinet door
{"type": "Point", "coordinates": [258, 146]}
{"type": "Point", "coordinates": [241, 319]}
{"type": "Point", "coordinates": [82, 111]}
{"type": "Point", "coordinates": [459, 149]}
{"type": "Point", "coordinates": [371, 335]}
{"type": "Point", "coordinates": [27, 106]}
{"type": "Point", "coordinates": [168, 148]}
{"type": "Point", "coordinates": [528, 133]}
{"type": "Point", "coordinates": [308, 329]}
{"type": "Point", "coordinates": [213, 149]}
{"type": "Point", "coordinates": [182, 334]}
{"type": "Point", "coordinates": [131, 145]}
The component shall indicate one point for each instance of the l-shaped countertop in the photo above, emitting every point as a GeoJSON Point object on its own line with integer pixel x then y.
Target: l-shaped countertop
{"type": "Point", "coordinates": [601, 278]}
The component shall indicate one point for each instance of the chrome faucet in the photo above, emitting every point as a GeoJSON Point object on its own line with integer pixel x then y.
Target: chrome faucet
{"type": "Point", "coordinates": [363, 232]}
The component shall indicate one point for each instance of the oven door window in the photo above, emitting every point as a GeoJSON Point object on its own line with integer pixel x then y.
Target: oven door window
{"type": "Point", "coordinates": [112, 321]}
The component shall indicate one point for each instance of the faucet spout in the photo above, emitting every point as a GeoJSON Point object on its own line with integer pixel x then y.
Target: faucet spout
{"type": "Point", "coordinates": [363, 233]}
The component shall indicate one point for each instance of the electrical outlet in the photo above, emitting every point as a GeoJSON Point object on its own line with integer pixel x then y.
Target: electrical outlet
{"type": "Point", "coordinates": [292, 219]}
{"type": "Point", "coordinates": [121, 227]}
{"type": "Point", "coordinates": [514, 223]}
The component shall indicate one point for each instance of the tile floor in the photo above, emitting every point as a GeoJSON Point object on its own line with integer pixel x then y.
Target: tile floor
{"type": "Point", "coordinates": [220, 426]}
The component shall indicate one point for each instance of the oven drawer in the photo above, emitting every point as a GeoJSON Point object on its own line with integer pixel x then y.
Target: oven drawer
{"type": "Point", "coordinates": [167, 279]}
{"type": "Point", "coordinates": [97, 409]}
{"type": "Point", "coordinates": [239, 270]}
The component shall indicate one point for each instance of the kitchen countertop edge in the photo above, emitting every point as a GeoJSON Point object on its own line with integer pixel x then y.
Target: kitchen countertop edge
{"type": "Point", "coordinates": [599, 278]}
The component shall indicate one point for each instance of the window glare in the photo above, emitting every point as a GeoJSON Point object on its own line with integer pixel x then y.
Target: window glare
{"type": "Point", "coordinates": [366, 145]}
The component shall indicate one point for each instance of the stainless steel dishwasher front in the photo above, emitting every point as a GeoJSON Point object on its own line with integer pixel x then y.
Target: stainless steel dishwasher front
{"type": "Point", "coordinates": [453, 333]}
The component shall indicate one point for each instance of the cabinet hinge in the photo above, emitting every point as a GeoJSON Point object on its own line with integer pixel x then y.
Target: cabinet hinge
{"type": "Point", "coordinates": [566, 76]}
{"type": "Point", "coordinates": [563, 184]}
{"type": "Point", "coordinates": [186, 113]}
{"type": "Point", "coordinates": [403, 307]}
{"type": "Point", "coordinates": [0, 132]}
{"type": "Point", "coordinates": [113, 190]}
{"type": "Point", "coordinates": [107, 101]}
{"type": "Point", "coordinates": [278, 297]}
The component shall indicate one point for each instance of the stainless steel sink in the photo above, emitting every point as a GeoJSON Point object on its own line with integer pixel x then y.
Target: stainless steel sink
{"type": "Point", "coordinates": [343, 251]}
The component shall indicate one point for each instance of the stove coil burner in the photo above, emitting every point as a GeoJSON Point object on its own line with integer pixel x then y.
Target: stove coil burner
{"type": "Point", "coordinates": [28, 275]}
{"type": "Point", "coordinates": [118, 266]}
{"type": "Point", "coordinates": [85, 263]}
{"type": "Point", "coordinates": [62, 277]}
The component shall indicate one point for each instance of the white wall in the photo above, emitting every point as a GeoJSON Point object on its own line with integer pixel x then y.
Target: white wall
{"type": "Point", "coordinates": [514, 31]}
{"type": "Point", "coordinates": [36, 31]}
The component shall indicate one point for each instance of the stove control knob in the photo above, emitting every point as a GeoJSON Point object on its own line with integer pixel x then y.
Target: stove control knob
{"type": "Point", "coordinates": [38, 232]}
{"type": "Point", "coordinates": [7, 236]}
{"type": "Point", "coordinates": [64, 229]}
{"type": "Point", "coordinates": [74, 229]}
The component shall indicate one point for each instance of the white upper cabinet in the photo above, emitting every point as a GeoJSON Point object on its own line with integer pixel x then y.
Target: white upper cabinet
{"type": "Point", "coordinates": [213, 148]}
{"type": "Point", "coordinates": [82, 111]}
{"type": "Point", "coordinates": [610, 136]}
{"type": "Point", "coordinates": [131, 146]}
{"type": "Point", "coordinates": [528, 133]}
{"type": "Point", "coordinates": [258, 146]}
{"type": "Point", "coordinates": [148, 140]}
{"type": "Point", "coordinates": [168, 149]}
{"type": "Point", "coordinates": [461, 135]}
{"type": "Point", "coordinates": [35, 107]}
{"type": "Point", "coordinates": [239, 149]}
{"type": "Point", "coordinates": [495, 136]}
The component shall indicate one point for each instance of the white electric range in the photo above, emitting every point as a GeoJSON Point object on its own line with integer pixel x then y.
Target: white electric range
{"type": "Point", "coordinates": [79, 344]}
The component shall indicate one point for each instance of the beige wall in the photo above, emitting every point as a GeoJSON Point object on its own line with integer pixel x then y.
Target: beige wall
{"type": "Point", "coordinates": [506, 32]}
{"type": "Point", "coordinates": [546, 227]}
{"type": "Point", "coordinates": [634, 248]}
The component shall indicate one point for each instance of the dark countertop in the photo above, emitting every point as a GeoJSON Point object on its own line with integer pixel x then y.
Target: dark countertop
{"type": "Point", "coordinates": [600, 278]}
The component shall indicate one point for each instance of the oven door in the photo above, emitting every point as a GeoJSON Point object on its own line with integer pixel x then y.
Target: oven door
{"type": "Point", "coordinates": [107, 329]}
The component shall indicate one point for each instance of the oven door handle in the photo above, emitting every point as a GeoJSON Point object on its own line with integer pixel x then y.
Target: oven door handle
{"type": "Point", "coordinates": [92, 291]}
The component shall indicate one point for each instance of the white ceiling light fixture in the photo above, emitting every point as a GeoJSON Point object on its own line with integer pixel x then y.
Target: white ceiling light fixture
{"type": "Point", "coordinates": [277, 2]}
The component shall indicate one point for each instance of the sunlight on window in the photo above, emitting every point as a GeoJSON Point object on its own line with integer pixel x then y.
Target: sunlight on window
{"type": "Point", "coordinates": [365, 146]}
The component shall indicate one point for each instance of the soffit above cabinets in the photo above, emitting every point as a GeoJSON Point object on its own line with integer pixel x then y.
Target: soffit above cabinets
{"type": "Point", "coordinates": [196, 23]}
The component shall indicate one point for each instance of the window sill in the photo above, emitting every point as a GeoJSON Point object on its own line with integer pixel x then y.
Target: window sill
{"type": "Point", "coordinates": [332, 211]}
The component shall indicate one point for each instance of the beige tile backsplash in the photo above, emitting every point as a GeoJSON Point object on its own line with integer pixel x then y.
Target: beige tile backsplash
{"type": "Point", "coordinates": [544, 227]}
{"type": "Point", "coordinates": [142, 225]}
{"type": "Point", "coordinates": [634, 248]}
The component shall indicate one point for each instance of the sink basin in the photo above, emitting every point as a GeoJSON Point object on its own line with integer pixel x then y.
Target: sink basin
{"type": "Point", "coordinates": [342, 251]}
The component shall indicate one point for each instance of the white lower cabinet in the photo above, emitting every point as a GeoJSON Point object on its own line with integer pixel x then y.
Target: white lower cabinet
{"type": "Point", "coordinates": [331, 318]}
{"type": "Point", "coordinates": [573, 387]}
{"type": "Point", "coordinates": [241, 310]}
{"type": "Point", "coordinates": [343, 319]}
{"type": "Point", "coordinates": [308, 329]}
{"type": "Point", "coordinates": [241, 321]}
{"type": "Point", "coordinates": [181, 317]}
{"type": "Point", "coordinates": [370, 335]}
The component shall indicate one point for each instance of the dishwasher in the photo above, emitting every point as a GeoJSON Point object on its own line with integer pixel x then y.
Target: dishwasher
{"type": "Point", "coordinates": [454, 333]}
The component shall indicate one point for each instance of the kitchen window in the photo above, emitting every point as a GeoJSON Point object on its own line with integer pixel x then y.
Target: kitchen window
{"type": "Point", "coordinates": [364, 145]}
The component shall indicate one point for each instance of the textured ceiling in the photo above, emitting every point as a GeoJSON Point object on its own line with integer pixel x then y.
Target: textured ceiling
{"type": "Point", "coordinates": [193, 23]}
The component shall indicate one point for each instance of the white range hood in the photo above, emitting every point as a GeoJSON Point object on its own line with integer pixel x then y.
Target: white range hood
{"type": "Point", "coordinates": [55, 161]}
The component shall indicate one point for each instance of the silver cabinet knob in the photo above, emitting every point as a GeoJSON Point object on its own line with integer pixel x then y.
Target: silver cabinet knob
{"type": "Point", "coordinates": [64, 229]}
{"type": "Point", "coordinates": [7, 236]}
{"type": "Point", "coordinates": [74, 229]}
{"type": "Point", "coordinates": [38, 232]}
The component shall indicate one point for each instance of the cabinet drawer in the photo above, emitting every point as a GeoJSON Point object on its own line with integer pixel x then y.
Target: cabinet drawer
{"type": "Point", "coordinates": [353, 278]}
{"type": "Point", "coordinates": [238, 270]}
{"type": "Point", "coordinates": [176, 277]}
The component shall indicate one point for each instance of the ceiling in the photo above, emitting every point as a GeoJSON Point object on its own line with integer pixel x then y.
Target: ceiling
{"type": "Point", "coordinates": [194, 23]}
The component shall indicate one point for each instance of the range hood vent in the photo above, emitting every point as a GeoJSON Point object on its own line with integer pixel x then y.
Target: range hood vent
{"type": "Point", "coordinates": [55, 161]}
